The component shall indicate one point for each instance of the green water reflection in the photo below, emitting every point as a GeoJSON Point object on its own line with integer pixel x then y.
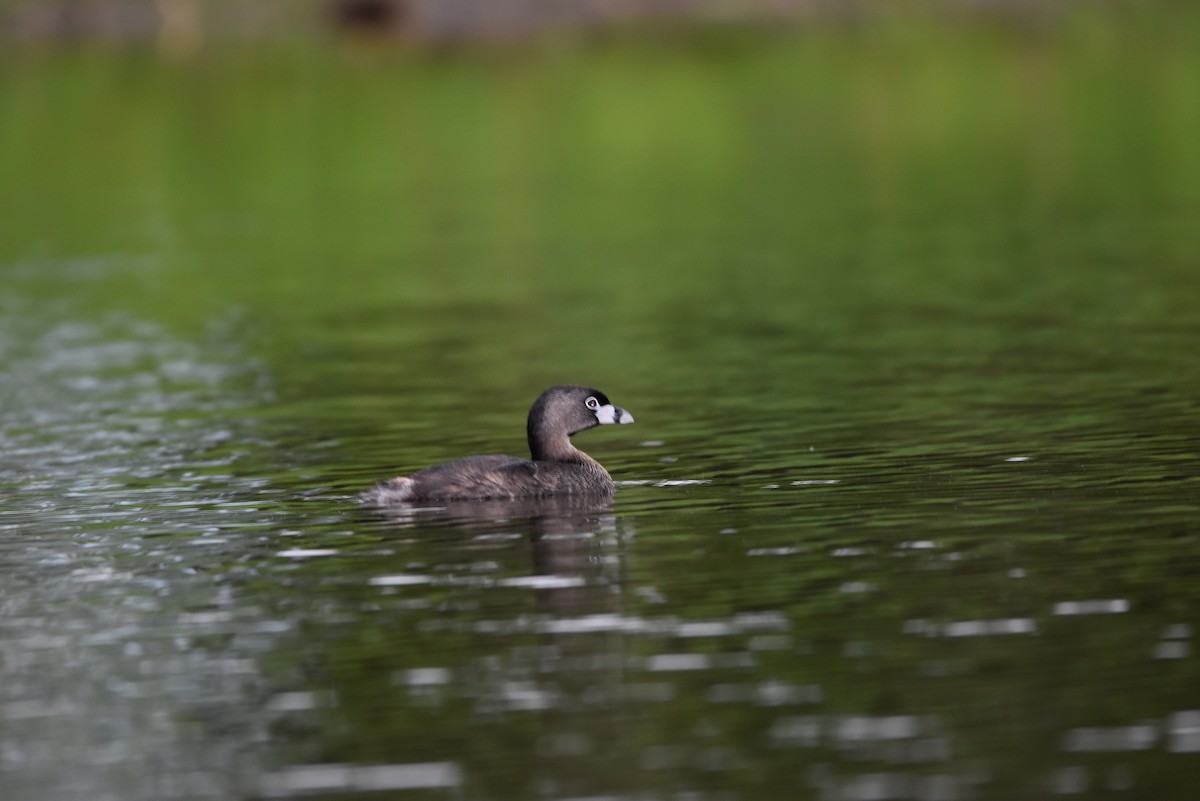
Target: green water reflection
{"type": "Point", "coordinates": [906, 313]}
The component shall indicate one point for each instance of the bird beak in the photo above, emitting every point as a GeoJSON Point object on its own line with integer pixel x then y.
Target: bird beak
{"type": "Point", "coordinates": [613, 414]}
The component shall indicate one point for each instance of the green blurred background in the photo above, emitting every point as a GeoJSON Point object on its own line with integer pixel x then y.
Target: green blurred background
{"type": "Point", "coordinates": [897, 148]}
{"type": "Point", "coordinates": [555, 201]}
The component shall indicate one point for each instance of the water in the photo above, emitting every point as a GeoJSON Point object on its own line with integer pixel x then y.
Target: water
{"type": "Point", "coordinates": [909, 510]}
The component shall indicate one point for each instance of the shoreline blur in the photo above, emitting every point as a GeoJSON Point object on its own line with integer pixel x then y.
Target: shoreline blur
{"type": "Point", "coordinates": [181, 27]}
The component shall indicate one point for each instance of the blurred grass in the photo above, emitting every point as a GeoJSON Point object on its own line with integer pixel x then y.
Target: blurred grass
{"type": "Point", "coordinates": [1005, 166]}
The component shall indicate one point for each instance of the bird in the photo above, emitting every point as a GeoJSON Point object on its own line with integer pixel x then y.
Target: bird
{"type": "Point", "coordinates": [555, 467]}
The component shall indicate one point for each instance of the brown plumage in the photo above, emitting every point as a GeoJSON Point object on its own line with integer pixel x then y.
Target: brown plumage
{"type": "Point", "coordinates": [557, 466]}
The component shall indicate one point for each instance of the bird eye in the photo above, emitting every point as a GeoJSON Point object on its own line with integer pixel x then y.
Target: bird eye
{"type": "Point", "coordinates": [592, 404]}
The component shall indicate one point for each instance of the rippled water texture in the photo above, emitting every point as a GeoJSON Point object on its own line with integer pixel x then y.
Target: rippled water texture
{"type": "Point", "coordinates": [907, 319]}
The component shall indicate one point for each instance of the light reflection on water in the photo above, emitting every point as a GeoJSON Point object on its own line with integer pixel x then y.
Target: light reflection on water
{"type": "Point", "coordinates": [177, 623]}
{"type": "Point", "coordinates": [116, 446]}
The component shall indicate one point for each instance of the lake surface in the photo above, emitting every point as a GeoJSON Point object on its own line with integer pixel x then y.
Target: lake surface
{"type": "Point", "coordinates": [907, 317]}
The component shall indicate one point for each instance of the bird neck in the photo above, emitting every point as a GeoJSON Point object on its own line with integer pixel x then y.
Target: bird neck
{"type": "Point", "coordinates": [555, 449]}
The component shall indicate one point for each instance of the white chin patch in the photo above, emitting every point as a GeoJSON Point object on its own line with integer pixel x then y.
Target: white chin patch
{"type": "Point", "coordinates": [608, 414]}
